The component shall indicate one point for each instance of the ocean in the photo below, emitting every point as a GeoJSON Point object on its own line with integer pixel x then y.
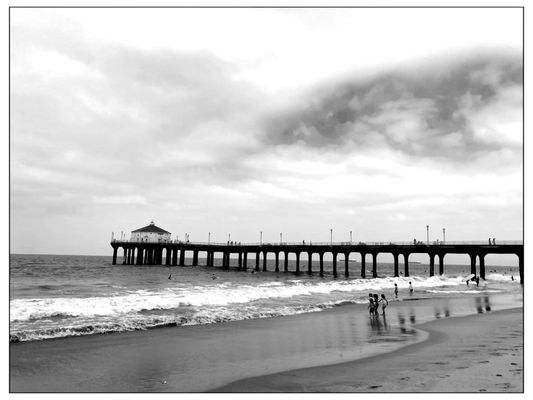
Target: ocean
{"type": "Point", "coordinates": [55, 296]}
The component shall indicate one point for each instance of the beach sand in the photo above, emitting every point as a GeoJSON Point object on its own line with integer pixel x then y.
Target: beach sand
{"type": "Point", "coordinates": [474, 353]}
{"type": "Point", "coordinates": [479, 353]}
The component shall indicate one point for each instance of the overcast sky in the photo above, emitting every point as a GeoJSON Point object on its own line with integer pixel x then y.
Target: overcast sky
{"type": "Point", "coordinates": [378, 121]}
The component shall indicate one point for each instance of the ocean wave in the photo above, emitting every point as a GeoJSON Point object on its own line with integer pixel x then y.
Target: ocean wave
{"type": "Point", "coordinates": [200, 317]}
{"type": "Point", "coordinates": [225, 294]}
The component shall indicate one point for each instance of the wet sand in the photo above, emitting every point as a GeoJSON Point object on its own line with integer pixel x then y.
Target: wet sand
{"type": "Point", "coordinates": [461, 354]}
{"type": "Point", "coordinates": [479, 353]}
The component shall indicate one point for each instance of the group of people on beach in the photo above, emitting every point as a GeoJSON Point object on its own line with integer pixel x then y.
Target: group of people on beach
{"type": "Point", "coordinates": [374, 302]}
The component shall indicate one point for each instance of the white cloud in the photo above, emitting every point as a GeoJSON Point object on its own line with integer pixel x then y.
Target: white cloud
{"type": "Point", "coordinates": [131, 199]}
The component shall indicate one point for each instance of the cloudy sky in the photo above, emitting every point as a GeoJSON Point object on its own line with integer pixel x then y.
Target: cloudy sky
{"type": "Point", "coordinates": [378, 121]}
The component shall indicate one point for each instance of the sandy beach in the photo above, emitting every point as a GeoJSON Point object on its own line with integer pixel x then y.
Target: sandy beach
{"type": "Point", "coordinates": [307, 352]}
{"type": "Point", "coordinates": [480, 353]}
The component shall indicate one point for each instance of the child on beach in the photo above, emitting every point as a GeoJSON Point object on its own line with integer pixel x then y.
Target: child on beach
{"type": "Point", "coordinates": [371, 306]}
{"type": "Point", "coordinates": [395, 290]}
{"type": "Point", "coordinates": [384, 303]}
{"type": "Point", "coordinates": [410, 288]}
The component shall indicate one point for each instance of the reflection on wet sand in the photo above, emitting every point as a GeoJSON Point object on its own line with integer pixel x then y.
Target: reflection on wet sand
{"type": "Point", "coordinates": [480, 303]}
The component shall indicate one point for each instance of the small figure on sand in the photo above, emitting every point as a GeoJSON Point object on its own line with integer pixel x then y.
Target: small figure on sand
{"type": "Point", "coordinates": [213, 276]}
{"type": "Point", "coordinates": [395, 290]}
{"type": "Point", "coordinates": [170, 276]}
{"type": "Point", "coordinates": [376, 304]}
{"type": "Point", "coordinates": [477, 280]}
{"type": "Point", "coordinates": [410, 288]}
{"type": "Point", "coordinates": [371, 305]}
{"type": "Point", "coordinates": [384, 303]}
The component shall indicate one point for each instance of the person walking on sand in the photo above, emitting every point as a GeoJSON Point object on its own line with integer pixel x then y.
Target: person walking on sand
{"type": "Point", "coordinates": [410, 288]}
{"type": "Point", "coordinates": [395, 290]}
{"type": "Point", "coordinates": [384, 303]}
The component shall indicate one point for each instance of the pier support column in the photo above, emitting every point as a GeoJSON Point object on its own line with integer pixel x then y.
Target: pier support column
{"type": "Point", "coordinates": [297, 262]}
{"type": "Point", "coordinates": [374, 265]}
{"type": "Point", "coordinates": [175, 257]}
{"type": "Point", "coordinates": [225, 260]}
{"type": "Point", "coordinates": [363, 265]}
{"type": "Point", "coordinates": [406, 264]}
{"type": "Point", "coordinates": [309, 263]}
{"type": "Point", "coordinates": [521, 267]}
{"type": "Point", "coordinates": [114, 256]}
{"type": "Point", "coordinates": [240, 260]}
{"type": "Point", "coordinates": [473, 264]}
{"type": "Point", "coordinates": [286, 262]}
{"type": "Point", "coordinates": [150, 256]}
{"type": "Point", "coordinates": [482, 266]}
{"type": "Point", "coordinates": [321, 255]}
{"type": "Point", "coordinates": [195, 258]}
{"type": "Point", "coordinates": [441, 264]}
{"type": "Point", "coordinates": [335, 264]}
{"type": "Point", "coordinates": [182, 257]}
{"type": "Point", "coordinates": [396, 269]}
{"type": "Point", "coordinates": [346, 264]}
{"type": "Point", "coordinates": [245, 261]}
{"type": "Point", "coordinates": [431, 264]}
{"type": "Point", "coordinates": [169, 252]}
{"type": "Point", "coordinates": [128, 257]}
{"type": "Point", "coordinates": [264, 261]}
{"type": "Point", "coordinates": [140, 256]}
{"type": "Point", "coordinates": [257, 261]}
{"type": "Point", "coordinates": [277, 261]}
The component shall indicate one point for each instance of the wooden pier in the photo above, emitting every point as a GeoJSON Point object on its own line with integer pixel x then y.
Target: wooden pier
{"type": "Point", "coordinates": [173, 253]}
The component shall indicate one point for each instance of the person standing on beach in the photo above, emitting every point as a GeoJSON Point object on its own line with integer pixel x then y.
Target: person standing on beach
{"type": "Point", "coordinates": [384, 304]}
{"type": "Point", "coordinates": [371, 306]}
{"type": "Point", "coordinates": [410, 288]}
{"type": "Point", "coordinates": [376, 304]}
{"type": "Point", "coordinates": [395, 290]}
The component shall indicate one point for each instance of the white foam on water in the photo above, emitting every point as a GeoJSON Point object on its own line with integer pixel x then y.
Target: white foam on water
{"type": "Point", "coordinates": [222, 294]}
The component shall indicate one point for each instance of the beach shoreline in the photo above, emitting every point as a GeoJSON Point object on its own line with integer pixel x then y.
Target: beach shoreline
{"type": "Point", "coordinates": [246, 353]}
{"type": "Point", "coordinates": [475, 353]}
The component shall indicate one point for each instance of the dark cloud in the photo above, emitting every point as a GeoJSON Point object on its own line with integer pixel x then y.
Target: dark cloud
{"type": "Point", "coordinates": [422, 111]}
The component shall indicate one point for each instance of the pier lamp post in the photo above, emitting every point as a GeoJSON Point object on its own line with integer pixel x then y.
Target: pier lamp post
{"type": "Point", "coordinates": [427, 229]}
{"type": "Point", "coordinates": [229, 237]}
{"type": "Point", "coordinates": [280, 238]}
{"type": "Point", "coordinates": [444, 235]}
{"type": "Point", "coordinates": [350, 237]}
{"type": "Point", "coordinates": [261, 237]}
{"type": "Point", "coordinates": [331, 237]}
{"type": "Point", "coordinates": [209, 238]}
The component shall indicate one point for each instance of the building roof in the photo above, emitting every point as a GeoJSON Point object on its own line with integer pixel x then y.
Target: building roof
{"type": "Point", "coordinates": [150, 228]}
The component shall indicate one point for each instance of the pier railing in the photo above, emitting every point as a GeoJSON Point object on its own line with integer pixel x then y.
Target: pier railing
{"type": "Point", "coordinates": [353, 243]}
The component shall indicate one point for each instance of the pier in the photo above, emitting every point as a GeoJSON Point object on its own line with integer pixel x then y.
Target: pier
{"type": "Point", "coordinates": [172, 253]}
